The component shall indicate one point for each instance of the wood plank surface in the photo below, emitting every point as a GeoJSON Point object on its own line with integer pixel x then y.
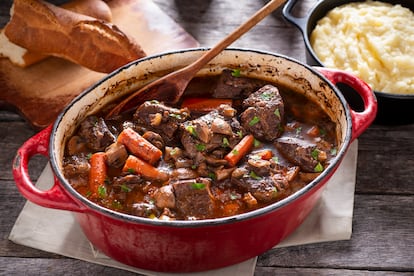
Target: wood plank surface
{"type": "Point", "coordinates": [382, 242]}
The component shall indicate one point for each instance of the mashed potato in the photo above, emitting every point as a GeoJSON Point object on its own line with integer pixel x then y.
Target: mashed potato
{"type": "Point", "coordinates": [373, 40]}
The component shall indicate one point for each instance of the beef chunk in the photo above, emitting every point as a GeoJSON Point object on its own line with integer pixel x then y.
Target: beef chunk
{"type": "Point", "coordinates": [265, 180]}
{"type": "Point", "coordinates": [161, 119]}
{"type": "Point", "coordinates": [76, 168]}
{"type": "Point", "coordinates": [231, 86]}
{"type": "Point", "coordinates": [264, 189]}
{"type": "Point", "coordinates": [305, 154]}
{"type": "Point", "coordinates": [129, 180]}
{"type": "Point", "coordinates": [263, 114]}
{"type": "Point", "coordinates": [210, 132]}
{"type": "Point", "coordinates": [193, 199]}
{"type": "Point", "coordinates": [96, 133]}
{"type": "Point", "coordinates": [122, 185]}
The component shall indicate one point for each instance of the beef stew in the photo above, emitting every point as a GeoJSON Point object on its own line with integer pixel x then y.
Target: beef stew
{"type": "Point", "coordinates": [234, 144]}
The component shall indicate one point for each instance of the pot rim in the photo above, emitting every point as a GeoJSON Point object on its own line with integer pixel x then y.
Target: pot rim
{"type": "Point", "coordinates": [320, 7]}
{"type": "Point", "coordinates": [324, 176]}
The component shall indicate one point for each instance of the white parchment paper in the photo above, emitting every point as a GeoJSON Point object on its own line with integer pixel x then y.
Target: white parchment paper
{"type": "Point", "coordinates": [57, 231]}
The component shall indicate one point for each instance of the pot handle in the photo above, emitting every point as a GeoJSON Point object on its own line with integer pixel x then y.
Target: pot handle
{"type": "Point", "coordinates": [299, 22]}
{"type": "Point", "coordinates": [360, 120]}
{"type": "Point", "coordinates": [55, 197]}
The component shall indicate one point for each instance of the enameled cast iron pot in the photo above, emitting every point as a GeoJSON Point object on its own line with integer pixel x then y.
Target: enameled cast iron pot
{"type": "Point", "coordinates": [393, 108]}
{"type": "Point", "coordinates": [187, 246]}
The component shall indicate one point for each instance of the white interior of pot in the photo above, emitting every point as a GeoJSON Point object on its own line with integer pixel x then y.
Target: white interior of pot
{"type": "Point", "coordinates": [269, 67]}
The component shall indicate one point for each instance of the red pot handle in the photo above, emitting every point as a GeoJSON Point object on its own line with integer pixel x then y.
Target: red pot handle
{"type": "Point", "coordinates": [360, 120]}
{"type": "Point", "coordinates": [55, 197]}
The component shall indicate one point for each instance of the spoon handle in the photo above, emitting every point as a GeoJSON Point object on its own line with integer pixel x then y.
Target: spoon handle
{"type": "Point", "coordinates": [242, 29]}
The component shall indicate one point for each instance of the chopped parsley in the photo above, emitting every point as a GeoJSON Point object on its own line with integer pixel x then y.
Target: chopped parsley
{"type": "Point", "coordinates": [125, 188]}
{"type": "Point", "coordinates": [253, 175]}
{"type": "Point", "coordinates": [318, 168]}
{"type": "Point", "coordinates": [198, 186]}
{"type": "Point", "coordinates": [212, 175]}
{"type": "Point", "coordinates": [266, 96]}
{"type": "Point", "coordinates": [315, 154]}
{"type": "Point", "coordinates": [254, 121]}
{"type": "Point", "coordinates": [102, 191]}
{"type": "Point", "coordinates": [235, 152]}
{"type": "Point", "coordinates": [226, 142]}
{"type": "Point", "coordinates": [176, 116]}
{"type": "Point", "coordinates": [236, 73]}
{"type": "Point", "coordinates": [256, 143]}
{"type": "Point", "coordinates": [201, 147]}
{"type": "Point", "coordinates": [191, 129]}
{"type": "Point", "coordinates": [277, 112]}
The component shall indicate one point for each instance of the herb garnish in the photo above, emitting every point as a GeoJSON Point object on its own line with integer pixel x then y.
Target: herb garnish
{"type": "Point", "coordinates": [102, 191]}
{"type": "Point", "coordinates": [226, 142]}
{"type": "Point", "coordinates": [125, 188]}
{"type": "Point", "coordinates": [200, 147]}
{"type": "Point", "coordinates": [315, 154]}
{"type": "Point", "coordinates": [277, 112]}
{"type": "Point", "coordinates": [236, 73]}
{"type": "Point", "coordinates": [254, 121]}
{"type": "Point", "coordinates": [253, 175]}
{"type": "Point", "coordinates": [191, 129]}
{"type": "Point", "coordinates": [266, 96]}
{"type": "Point", "coordinates": [198, 186]}
{"type": "Point", "coordinates": [318, 168]}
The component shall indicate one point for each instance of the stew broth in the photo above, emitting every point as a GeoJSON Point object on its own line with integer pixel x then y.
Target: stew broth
{"type": "Point", "coordinates": [234, 144]}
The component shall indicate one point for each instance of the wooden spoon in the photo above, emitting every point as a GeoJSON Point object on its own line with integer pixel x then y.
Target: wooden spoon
{"type": "Point", "coordinates": [170, 87]}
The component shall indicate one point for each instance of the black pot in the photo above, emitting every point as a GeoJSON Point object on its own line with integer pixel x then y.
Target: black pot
{"type": "Point", "coordinates": [392, 108]}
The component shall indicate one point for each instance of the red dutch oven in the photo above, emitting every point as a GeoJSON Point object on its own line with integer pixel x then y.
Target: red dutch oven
{"type": "Point", "coordinates": [189, 246]}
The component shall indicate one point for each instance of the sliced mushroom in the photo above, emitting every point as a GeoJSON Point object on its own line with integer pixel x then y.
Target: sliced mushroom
{"type": "Point", "coordinates": [164, 197]}
{"type": "Point", "coordinates": [116, 155]}
{"type": "Point", "coordinates": [221, 126]}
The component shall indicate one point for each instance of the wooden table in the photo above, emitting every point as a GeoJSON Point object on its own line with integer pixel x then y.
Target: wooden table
{"type": "Point", "coordinates": [382, 242]}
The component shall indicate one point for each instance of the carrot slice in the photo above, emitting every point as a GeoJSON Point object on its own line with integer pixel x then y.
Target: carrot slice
{"type": "Point", "coordinates": [265, 154]}
{"type": "Point", "coordinates": [136, 165]}
{"type": "Point", "coordinates": [139, 146]}
{"type": "Point", "coordinates": [240, 150]}
{"type": "Point", "coordinates": [97, 173]}
{"type": "Point", "coordinates": [204, 104]}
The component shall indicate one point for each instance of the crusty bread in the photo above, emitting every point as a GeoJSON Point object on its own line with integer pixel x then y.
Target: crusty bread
{"type": "Point", "coordinates": [24, 58]}
{"type": "Point", "coordinates": [94, 8]}
{"type": "Point", "coordinates": [44, 28]}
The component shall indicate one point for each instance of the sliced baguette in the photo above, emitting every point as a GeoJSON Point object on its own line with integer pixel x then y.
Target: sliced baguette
{"type": "Point", "coordinates": [24, 58]}
{"type": "Point", "coordinates": [44, 28]}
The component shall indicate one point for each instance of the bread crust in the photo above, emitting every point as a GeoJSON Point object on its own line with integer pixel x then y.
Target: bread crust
{"type": "Point", "coordinates": [22, 57]}
{"type": "Point", "coordinates": [94, 8]}
{"type": "Point", "coordinates": [44, 28]}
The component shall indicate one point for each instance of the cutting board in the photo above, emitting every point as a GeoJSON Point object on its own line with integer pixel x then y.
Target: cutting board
{"type": "Point", "coordinates": [41, 91]}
